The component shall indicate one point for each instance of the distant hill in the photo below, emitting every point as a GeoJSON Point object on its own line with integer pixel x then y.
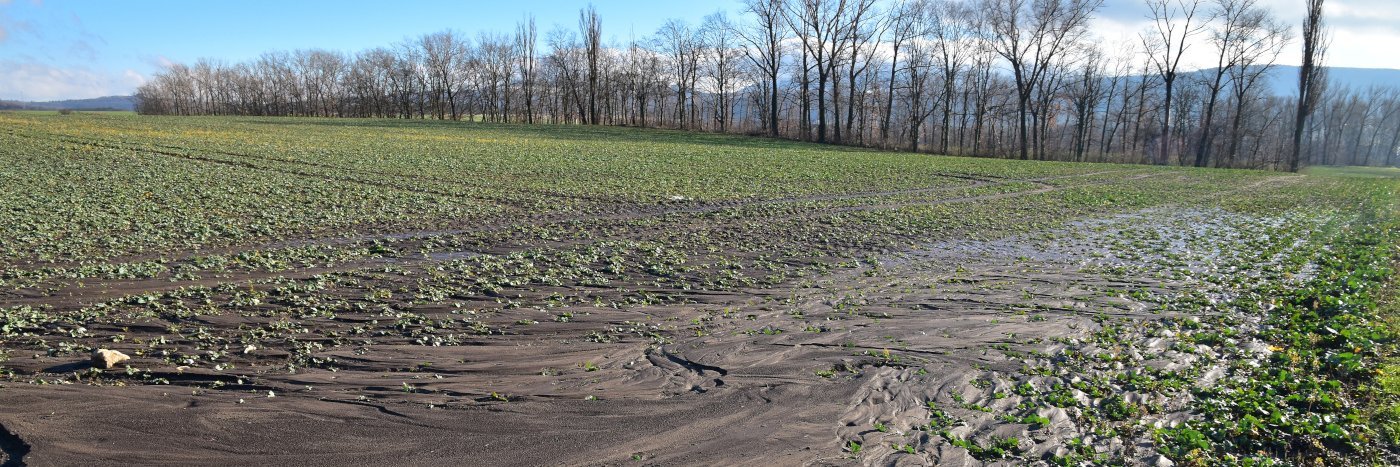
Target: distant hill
{"type": "Point", "coordinates": [1283, 80]}
{"type": "Point", "coordinates": [100, 103]}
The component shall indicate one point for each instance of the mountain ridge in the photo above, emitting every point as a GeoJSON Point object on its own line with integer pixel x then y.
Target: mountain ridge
{"type": "Point", "coordinates": [125, 103]}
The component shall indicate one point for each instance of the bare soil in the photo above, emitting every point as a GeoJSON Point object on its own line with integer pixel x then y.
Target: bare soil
{"type": "Point", "coordinates": [785, 373]}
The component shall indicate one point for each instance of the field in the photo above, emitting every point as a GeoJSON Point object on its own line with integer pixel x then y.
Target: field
{"type": "Point", "coordinates": [380, 291]}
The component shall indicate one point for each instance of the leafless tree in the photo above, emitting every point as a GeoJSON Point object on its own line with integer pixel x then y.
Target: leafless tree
{"type": "Point", "coordinates": [443, 53]}
{"type": "Point", "coordinates": [763, 45]}
{"type": "Point", "coordinates": [591, 28]}
{"type": "Point", "coordinates": [951, 27]}
{"type": "Point", "coordinates": [1311, 79]}
{"type": "Point", "coordinates": [1009, 78]}
{"type": "Point", "coordinates": [567, 61]}
{"type": "Point", "coordinates": [525, 38]}
{"type": "Point", "coordinates": [1232, 18]}
{"type": "Point", "coordinates": [861, 26]}
{"type": "Point", "coordinates": [818, 27]}
{"type": "Point", "coordinates": [1086, 92]}
{"type": "Point", "coordinates": [906, 24]}
{"type": "Point", "coordinates": [679, 42]}
{"type": "Point", "coordinates": [917, 75]}
{"type": "Point", "coordinates": [1119, 83]}
{"type": "Point", "coordinates": [1174, 24]}
{"type": "Point", "coordinates": [494, 67]}
{"type": "Point", "coordinates": [1030, 35]}
{"type": "Point", "coordinates": [1254, 52]}
{"type": "Point", "coordinates": [590, 25]}
{"type": "Point", "coordinates": [721, 60]}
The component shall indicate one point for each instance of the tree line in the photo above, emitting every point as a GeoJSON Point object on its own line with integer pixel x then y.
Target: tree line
{"type": "Point", "coordinates": [997, 78]}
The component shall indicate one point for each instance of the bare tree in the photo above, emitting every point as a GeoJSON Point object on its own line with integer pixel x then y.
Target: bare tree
{"type": "Point", "coordinates": [1392, 150]}
{"type": "Point", "coordinates": [1235, 18]}
{"type": "Point", "coordinates": [1118, 79]}
{"type": "Point", "coordinates": [1174, 23]}
{"type": "Point", "coordinates": [859, 31]}
{"type": "Point", "coordinates": [763, 45]}
{"type": "Point", "coordinates": [1085, 93]}
{"type": "Point", "coordinates": [320, 72]}
{"type": "Point", "coordinates": [917, 76]}
{"type": "Point", "coordinates": [1004, 75]}
{"type": "Point", "coordinates": [1387, 110]}
{"type": "Point", "coordinates": [818, 25]}
{"type": "Point", "coordinates": [1030, 35]}
{"type": "Point", "coordinates": [906, 24]}
{"type": "Point", "coordinates": [591, 27]}
{"type": "Point", "coordinates": [525, 38]}
{"type": "Point", "coordinates": [443, 53]}
{"type": "Point", "coordinates": [1254, 52]}
{"type": "Point", "coordinates": [494, 67]}
{"type": "Point", "coordinates": [679, 42]}
{"type": "Point", "coordinates": [1310, 77]}
{"type": "Point", "coordinates": [721, 61]}
{"type": "Point", "coordinates": [567, 64]}
{"type": "Point", "coordinates": [952, 29]}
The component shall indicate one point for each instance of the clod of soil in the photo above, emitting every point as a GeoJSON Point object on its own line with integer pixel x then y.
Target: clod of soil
{"type": "Point", "coordinates": [105, 359]}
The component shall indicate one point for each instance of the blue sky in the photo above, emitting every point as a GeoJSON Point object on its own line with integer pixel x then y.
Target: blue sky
{"type": "Point", "coordinates": [60, 49]}
{"type": "Point", "coordinates": [56, 49]}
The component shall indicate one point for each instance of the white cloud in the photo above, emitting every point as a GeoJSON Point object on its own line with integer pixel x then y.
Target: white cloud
{"type": "Point", "coordinates": [158, 61]}
{"type": "Point", "coordinates": [1350, 10]}
{"type": "Point", "coordinates": [1363, 49]}
{"type": "Point", "coordinates": [32, 81]}
{"type": "Point", "coordinates": [1362, 32]}
{"type": "Point", "coordinates": [131, 76]}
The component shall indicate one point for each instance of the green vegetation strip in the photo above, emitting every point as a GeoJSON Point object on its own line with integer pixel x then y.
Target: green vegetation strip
{"type": "Point", "coordinates": [1310, 401]}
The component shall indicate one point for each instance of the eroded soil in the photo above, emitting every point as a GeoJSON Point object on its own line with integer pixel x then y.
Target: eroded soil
{"type": "Point", "coordinates": [638, 334]}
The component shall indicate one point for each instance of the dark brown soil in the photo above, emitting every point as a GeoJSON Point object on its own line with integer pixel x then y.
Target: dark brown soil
{"type": "Point", "coordinates": [779, 374]}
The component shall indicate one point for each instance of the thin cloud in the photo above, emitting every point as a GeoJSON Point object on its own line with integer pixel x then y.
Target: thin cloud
{"type": "Point", "coordinates": [1382, 18]}
{"type": "Point", "coordinates": [83, 50]}
{"type": "Point", "coordinates": [35, 81]}
{"type": "Point", "coordinates": [158, 61]}
{"type": "Point", "coordinates": [27, 28]}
